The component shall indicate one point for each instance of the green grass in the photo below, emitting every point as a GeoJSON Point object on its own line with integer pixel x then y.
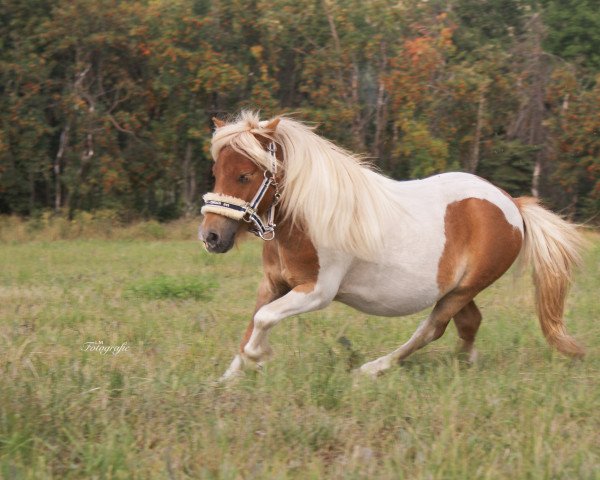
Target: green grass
{"type": "Point", "coordinates": [163, 286]}
{"type": "Point", "coordinates": [154, 411]}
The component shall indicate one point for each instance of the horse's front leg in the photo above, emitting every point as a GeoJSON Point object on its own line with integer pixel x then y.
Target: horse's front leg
{"type": "Point", "coordinates": [267, 292]}
{"type": "Point", "coordinates": [301, 299]}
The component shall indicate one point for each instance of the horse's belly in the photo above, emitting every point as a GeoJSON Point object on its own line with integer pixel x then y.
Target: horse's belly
{"type": "Point", "coordinates": [406, 281]}
{"type": "Point", "coordinates": [387, 291]}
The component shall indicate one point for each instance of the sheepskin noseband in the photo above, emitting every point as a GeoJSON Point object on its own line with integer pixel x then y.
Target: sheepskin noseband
{"type": "Point", "coordinates": [225, 205]}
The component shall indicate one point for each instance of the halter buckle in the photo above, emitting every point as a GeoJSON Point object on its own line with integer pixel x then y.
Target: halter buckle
{"type": "Point", "coordinates": [248, 212]}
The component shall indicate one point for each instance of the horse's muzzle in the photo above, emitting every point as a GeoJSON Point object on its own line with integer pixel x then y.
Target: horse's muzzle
{"type": "Point", "coordinates": [214, 244]}
{"type": "Point", "coordinates": [218, 238]}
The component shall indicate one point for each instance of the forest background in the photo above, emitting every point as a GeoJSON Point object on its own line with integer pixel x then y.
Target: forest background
{"type": "Point", "coordinates": [106, 105]}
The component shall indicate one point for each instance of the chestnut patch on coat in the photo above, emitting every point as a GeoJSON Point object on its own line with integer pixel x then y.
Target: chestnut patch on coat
{"type": "Point", "coordinates": [480, 245]}
{"type": "Point", "coordinates": [290, 262]}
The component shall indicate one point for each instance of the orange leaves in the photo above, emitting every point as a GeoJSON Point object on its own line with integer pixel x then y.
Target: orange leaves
{"type": "Point", "coordinates": [577, 125]}
{"type": "Point", "coordinates": [257, 51]}
{"type": "Point", "coordinates": [112, 174]}
{"type": "Point", "coordinates": [415, 49]}
{"type": "Point", "coordinates": [445, 38]}
{"type": "Point", "coordinates": [412, 72]}
{"type": "Point", "coordinates": [144, 49]}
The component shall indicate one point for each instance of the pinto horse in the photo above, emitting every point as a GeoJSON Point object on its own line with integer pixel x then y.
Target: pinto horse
{"type": "Point", "coordinates": [334, 229]}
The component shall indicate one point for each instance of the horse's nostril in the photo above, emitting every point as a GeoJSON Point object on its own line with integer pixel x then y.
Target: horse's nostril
{"type": "Point", "coordinates": [212, 238]}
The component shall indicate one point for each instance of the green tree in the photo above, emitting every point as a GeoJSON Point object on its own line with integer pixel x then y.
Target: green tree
{"type": "Point", "coordinates": [574, 31]}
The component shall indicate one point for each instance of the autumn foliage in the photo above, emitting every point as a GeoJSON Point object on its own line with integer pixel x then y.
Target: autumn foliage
{"type": "Point", "coordinates": [107, 104]}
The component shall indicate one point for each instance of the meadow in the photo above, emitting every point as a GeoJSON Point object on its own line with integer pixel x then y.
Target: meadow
{"type": "Point", "coordinates": [154, 411]}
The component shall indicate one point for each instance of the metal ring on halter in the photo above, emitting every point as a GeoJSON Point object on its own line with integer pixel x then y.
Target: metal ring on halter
{"type": "Point", "coordinates": [264, 235]}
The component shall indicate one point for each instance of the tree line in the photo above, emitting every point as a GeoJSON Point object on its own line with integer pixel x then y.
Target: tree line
{"type": "Point", "coordinates": [107, 104]}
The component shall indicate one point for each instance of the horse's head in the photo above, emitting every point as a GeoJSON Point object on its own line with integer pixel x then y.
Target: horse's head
{"type": "Point", "coordinates": [239, 179]}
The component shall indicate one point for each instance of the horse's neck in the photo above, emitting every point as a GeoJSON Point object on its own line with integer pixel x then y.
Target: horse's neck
{"type": "Point", "coordinates": [290, 235]}
{"type": "Point", "coordinates": [291, 259]}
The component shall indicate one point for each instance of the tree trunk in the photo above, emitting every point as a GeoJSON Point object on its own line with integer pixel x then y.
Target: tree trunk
{"type": "Point", "coordinates": [535, 179]}
{"type": "Point", "coordinates": [358, 123]}
{"type": "Point", "coordinates": [535, 70]}
{"type": "Point", "coordinates": [58, 164]}
{"type": "Point", "coordinates": [189, 179]}
{"type": "Point", "coordinates": [380, 107]}
{"type": "Point", "coordinates": [31, 191]}
{"type": "Point", "coordinates": [349, 93]}
{"type": "Point", "coordinates": [380, 120]}
{"type": "Point", "coordinates": [474, 157]}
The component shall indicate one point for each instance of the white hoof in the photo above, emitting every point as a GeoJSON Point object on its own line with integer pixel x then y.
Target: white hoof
{"type": "Point", "coordinates": [473, 356]}
{"type": "Point", "coordinates": [235, 370]}
{"type": "Point", "coordinates": [375, 368]}
{"type": "Point", "coordinates": [468, 351]}
{"type": "Point", "coordinates": [239, 365]}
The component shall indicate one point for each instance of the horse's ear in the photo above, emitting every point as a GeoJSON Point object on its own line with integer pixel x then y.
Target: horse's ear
{"type": "Point", "coordinates": [272, 126]}
{"type": "Point", "coordinates": [218, 123]}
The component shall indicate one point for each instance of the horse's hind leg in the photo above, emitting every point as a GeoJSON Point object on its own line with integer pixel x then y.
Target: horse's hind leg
{"type": "Point", "coordinates": [467, 321]}
{"type": "Point", "coordinates": [431, 329]}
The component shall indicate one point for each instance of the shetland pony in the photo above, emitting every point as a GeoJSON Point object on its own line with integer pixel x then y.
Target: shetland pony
{"type": "Point", "coordinates": [337, 230]}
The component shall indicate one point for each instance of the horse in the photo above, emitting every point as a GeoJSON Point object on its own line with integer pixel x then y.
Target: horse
{"type": "Point", "coordinates": [336, 229]}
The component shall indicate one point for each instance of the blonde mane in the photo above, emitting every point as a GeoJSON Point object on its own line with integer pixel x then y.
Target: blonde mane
{"type": "Point", "coordinates": [335, 194]}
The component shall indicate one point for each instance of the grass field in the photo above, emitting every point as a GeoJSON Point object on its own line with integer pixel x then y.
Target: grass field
{"type": "Point", "coordinates": [153, 410]}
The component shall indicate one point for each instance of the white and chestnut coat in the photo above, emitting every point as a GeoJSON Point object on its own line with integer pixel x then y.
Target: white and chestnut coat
{"type": "Point", "coordinates": [344, 232]}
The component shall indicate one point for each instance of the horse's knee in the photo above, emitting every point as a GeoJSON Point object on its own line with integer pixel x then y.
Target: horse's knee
{"type": "Point", "coordinates": [437, 331]}
{"type": "Point", "coordinates": [265, 319]}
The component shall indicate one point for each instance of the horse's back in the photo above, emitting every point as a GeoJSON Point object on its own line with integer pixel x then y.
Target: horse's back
{"type": "Point", "coordinates": [434, 194]}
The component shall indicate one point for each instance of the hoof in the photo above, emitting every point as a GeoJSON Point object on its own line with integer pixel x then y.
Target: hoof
{"type": "Point", "coordinates": [230, 378]}
{"type": "Point", "coordinates": [235, 370]}
{"type": "Point", "coordinates": [473, 356]}
{"type": "Point", "coordinates": [467, 352]}
{"type": "Point", "coordinates": [375, 368]}
{"type": "Point", "coordinates": [468, 355]}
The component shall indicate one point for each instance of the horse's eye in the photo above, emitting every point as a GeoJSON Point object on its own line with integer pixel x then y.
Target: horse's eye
{"type": "Point", "coordinates": [244, 178]}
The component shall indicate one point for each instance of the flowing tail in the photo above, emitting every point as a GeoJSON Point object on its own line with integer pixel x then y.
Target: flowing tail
{"type": "Point", "coordinates": [552, 245]}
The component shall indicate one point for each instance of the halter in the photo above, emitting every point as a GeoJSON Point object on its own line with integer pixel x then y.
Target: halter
{"type": "Point", "coordinates": [239, 209]}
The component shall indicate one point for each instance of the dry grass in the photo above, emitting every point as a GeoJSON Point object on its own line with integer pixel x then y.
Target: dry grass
{"type": "Point", "coordinates": [154, 410]}
{"type": "Point", "coordinates": [102, 224]}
